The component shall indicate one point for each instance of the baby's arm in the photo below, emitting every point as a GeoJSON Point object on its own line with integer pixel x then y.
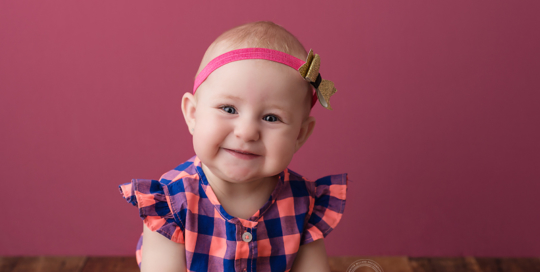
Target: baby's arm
{"type": "Point", "coordinates": [161, 254]}
{"type": "Point", "coordinates": [311, 257]}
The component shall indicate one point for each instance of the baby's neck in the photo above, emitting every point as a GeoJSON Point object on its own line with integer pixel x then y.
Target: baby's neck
{"type": "Point", "coordinates": [241, 200]}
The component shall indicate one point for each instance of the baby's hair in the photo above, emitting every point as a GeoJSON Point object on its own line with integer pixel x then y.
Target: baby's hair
{"type": "Point", "coordinates": [264, 34]}
{"type": "Point", "coordinates": [261, 34]}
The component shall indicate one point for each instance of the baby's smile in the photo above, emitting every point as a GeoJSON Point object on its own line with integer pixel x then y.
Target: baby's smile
{"type": "Point", "coordinates": [242, 154]}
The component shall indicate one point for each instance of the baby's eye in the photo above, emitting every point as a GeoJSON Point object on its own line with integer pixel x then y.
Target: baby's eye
{"type": "Point", "coordinates": [271, 118]}
{"type": "Point", "coordinates": [229, 109]}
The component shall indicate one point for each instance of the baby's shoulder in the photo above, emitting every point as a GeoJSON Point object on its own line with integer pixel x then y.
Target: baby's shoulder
{"type": "Point", "coordinates": [323, 199]}
{"type": "Point", "coordinates": [299, 185]}
{"type": "Point", "coordinates": [185, 173]}
{"type": "Point", "coordinates": [180, 184]}
{"type": "Point", "coordinates": [302, 186]}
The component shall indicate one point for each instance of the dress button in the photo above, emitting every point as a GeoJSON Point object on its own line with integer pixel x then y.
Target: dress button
{"type": "Point", "coordinates": [247, 237]}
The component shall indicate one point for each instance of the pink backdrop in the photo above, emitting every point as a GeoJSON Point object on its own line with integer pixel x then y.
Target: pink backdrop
{"type": "Point", "coordinates": [436, 119]}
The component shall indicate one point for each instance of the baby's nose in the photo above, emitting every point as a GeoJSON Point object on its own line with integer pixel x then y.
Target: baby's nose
{"type": "Point", "coordinates": [247, 130]}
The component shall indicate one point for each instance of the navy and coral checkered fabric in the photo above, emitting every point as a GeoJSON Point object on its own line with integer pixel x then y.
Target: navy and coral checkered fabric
{"type": "Point", "coordinates": [182, 207]}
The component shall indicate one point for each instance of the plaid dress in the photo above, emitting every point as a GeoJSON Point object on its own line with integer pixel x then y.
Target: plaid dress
{"type": "Point", "coordinates": [183, 207]}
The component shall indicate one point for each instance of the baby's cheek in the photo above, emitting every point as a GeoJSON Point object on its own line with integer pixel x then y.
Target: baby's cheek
{"type": "Point", "coordinates": [206, 138]}
{"type": "Point", "coordinates": [213, 130]}
{"type": "Point", "coordinates": [281, 154]}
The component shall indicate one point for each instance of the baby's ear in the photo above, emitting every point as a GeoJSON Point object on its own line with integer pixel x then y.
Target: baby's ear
{"type": "Point", "coordinates": [305, 131]}
{"type": "Point", "coordinates": [189, 105]}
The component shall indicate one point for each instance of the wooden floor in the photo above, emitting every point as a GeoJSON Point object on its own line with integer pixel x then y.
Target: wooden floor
{"type": "Point", "coordinates": [338, 264]}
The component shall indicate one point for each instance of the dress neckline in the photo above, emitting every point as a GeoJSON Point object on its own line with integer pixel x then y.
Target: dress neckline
{"type": "Point", "coordinates": [253, 220]}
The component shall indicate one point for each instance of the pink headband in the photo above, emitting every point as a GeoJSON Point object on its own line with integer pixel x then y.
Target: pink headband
{"type": "Point", "coordinates": [272, 55]}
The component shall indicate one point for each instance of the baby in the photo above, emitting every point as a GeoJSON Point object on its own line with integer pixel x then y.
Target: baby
{"type": "Point", "coordinates": [235, 206]}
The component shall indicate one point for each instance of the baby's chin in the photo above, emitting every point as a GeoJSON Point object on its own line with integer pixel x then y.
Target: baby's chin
{"type": "Point", "coordinates": [239, 174]}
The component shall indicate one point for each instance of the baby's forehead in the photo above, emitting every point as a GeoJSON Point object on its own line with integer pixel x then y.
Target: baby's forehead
{"type": "Point", "coordinates": [259, 73]}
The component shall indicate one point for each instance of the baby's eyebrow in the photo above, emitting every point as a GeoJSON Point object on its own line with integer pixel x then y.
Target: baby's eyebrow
{"type": "Point", "coordinates": [278, 106]}
{"type": "Point", "coordinates": [230, 96]}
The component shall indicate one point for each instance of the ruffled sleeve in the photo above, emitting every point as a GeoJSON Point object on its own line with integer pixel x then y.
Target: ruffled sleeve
{"type": "Point", "coordinates": [154, 206]}
{"type": "Point", "coordinates": [326, 207]}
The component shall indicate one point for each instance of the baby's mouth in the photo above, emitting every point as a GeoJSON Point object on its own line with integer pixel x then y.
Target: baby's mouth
{"type": "Point", "coordinates": [242, 154]}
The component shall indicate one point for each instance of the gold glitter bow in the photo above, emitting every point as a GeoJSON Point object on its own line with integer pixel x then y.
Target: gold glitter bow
{"type": "Point", "coordinates": [310, 71]}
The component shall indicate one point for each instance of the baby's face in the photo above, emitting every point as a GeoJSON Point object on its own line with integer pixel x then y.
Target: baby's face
{"type": "Point", "coordinates": [250, 117]}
